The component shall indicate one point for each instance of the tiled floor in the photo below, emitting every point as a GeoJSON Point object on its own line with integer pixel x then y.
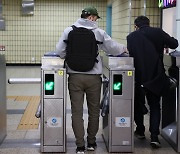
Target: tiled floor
{"type": "Point", "coordinates": [28, 142]}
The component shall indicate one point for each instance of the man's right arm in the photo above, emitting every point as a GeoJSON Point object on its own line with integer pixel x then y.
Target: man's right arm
{"type": "Point", "coordinates": [169, 41]}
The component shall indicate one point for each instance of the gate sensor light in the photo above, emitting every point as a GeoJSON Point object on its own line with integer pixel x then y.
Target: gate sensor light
{"type": "Point", "coordinates": [49, 84]}
{"type": "Point", "coordinates": [117, 84]}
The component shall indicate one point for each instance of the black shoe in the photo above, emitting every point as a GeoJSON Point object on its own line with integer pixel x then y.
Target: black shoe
{"type": "Point", "coordinates": [80, 150]}
{"type": "Point", "coordinates": [139, 135]}
{"type": "Point", "coordinates": [155, 142]}
{"type": "Point", "coordinates": [173, 83]}
{"type": "Point", "coordinates": [91, 147]}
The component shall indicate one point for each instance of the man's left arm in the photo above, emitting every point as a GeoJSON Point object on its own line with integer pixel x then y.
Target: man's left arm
{"type": "Point", "coordinates": [111, 46]}
{"type": "Point", "coordinates": [61, 45]}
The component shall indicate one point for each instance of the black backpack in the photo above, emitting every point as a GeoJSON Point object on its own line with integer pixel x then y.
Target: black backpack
{"type": "Point", "coordinates": [82, 49]}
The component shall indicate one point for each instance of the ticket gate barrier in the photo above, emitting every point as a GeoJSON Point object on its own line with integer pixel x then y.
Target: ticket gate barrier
{"type": "Point", "coordinates": [53, 105]}
{"type": "Point", "coordinates": [171, 105]}
{"type": "Point", "coordinates": [118, 121]}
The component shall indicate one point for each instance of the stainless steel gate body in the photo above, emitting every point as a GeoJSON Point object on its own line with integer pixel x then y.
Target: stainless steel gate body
{"type": "Point", "coordinates": [3, 105]}
{"type": "Point", "coordinates": [118, 123]}
{"type": "Point", "coordinates": [53, 105]}
{"type": "Point", "coordinates": [170, 105]}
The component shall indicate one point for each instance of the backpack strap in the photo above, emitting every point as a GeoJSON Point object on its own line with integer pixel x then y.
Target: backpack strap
{"type": "Point", "coordinates": [96, 58]}
{"type": "Point", "coordinates": [98, 42]}
{"type": "Point", "coordinates": [73, 27]}
{"type": "Point", "coordinates": [66, 41]}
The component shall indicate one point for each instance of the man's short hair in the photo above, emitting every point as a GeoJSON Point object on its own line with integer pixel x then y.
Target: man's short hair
{"type": "Point", "coordinates": [84, 15]}
{"type": "Point", "coordinates": [141, 21]}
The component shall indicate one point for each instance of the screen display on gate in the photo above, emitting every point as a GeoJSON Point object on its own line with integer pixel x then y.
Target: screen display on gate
{"type": "Point", "coordinates": [49, 84]}
{"type": "Point", "coordinates": [117, 84]}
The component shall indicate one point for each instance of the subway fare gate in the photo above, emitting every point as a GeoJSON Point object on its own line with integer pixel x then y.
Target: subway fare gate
{"type": "Point", "coordinates": [118, 103]}
{"type": "Point", "coordinates": [53, 105]}
{"type": "Point", "coordinates": [170, 103]}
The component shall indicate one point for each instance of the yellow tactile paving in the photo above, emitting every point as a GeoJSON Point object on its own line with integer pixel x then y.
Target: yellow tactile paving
{"type": "Point", "coordinates": [11, 97]}
{"type": "Point", "coordinates": [28, 120]}
{"type": "Point", "coordinates": [23, 98]}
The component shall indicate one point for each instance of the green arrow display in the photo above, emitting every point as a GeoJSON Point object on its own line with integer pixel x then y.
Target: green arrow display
{"type": "Point", "coordinates": [49, 86]}
{"type": "Point", "coordinates": [117, 86]}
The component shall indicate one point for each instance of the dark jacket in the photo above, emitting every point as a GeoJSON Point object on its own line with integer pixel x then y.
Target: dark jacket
{"type": "Point", "coordinates": [146, 45]}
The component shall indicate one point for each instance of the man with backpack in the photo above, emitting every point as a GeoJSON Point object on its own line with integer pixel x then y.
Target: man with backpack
{"type": "Point", "coordinates": [79, 46]}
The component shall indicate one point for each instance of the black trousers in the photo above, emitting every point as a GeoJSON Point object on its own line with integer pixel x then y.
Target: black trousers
{"type": "Point", "coordinates": [154, 107]}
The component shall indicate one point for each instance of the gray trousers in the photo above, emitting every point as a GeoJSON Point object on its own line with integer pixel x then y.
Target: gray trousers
{"type": "Point", "coordinates": [79, 85]}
